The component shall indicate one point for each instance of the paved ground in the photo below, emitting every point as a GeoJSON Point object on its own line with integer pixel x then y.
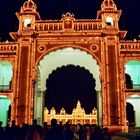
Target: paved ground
{"type": "Point", "coordinates": [118, 138]}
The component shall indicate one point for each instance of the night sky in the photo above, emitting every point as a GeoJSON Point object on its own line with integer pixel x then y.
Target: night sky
{"type": "Point", "coordinates": [53, 9]}
{"type": "Point", "coordinates": [68, 84]}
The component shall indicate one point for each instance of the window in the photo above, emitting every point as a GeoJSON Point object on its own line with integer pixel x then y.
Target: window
{"type": "Point", "coordinates": [27, 22]}
{"type": "Point", "coordinates": [109, 21]}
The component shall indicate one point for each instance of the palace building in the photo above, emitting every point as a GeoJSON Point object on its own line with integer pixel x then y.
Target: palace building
{"type": "Point", "coordinates": [98, 45]}
{"type": "Point", "coordinates": [78, 116]}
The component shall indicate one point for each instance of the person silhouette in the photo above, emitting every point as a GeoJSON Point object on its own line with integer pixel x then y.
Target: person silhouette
{"type": "Point", "coordinates": [1, 131]}
{"type": "Point", "coordinates": [54, 133]}
{"type": "Point", "coordinates": [68, 133]}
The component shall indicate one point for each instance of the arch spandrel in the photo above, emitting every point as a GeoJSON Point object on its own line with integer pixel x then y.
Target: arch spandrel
{"type": "Point", "coordinates": [91, 50]}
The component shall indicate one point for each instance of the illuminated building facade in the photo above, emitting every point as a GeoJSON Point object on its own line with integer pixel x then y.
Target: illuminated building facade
{"type": "Point", "coordinates": [98, 41]}
{"type": "Point", "coordinates": [78, 116]}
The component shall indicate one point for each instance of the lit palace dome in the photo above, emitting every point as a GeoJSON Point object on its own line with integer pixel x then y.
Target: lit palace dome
{"type": "Point", "coordinates": [108, 5]}
{"type": "Point", "coordinates": [29, 6]}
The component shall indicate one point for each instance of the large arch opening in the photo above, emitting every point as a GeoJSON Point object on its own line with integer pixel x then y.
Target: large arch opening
{"type": "Point", "coordinates": [67, 85]}
{"type": "Point", "coordinates": [57, 59]}
{"type": "Point", "coordinates": [132, 74]}
{"type": "Point", "coordinates": [132, 111]}
{"type": "Point", "coordinates": [4, 110]}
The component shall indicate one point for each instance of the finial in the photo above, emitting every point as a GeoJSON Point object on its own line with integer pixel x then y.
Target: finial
{"type": "Point", "coordinates": [78, 103]}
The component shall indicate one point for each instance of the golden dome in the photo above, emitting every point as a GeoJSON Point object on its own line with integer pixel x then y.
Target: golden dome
{"type": "Point", "coordinates": [29, 5]}
{"type": "Point", "coordinates": [108, 5]}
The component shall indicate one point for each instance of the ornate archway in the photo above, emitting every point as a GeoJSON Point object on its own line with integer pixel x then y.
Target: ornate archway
{"type": "Point", "coordinates": [56, 59]}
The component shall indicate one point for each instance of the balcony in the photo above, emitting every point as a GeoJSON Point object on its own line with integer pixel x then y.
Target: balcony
{"type": "Point", "coordinates": [8, 48]}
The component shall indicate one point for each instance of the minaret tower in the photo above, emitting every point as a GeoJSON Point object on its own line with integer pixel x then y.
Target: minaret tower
{"type": "Point", "coordinates": [25, 83]}
{"type": "Point", "coordinates": [109, 15]}
{"type": "Point", "coordinates": [111, 91]}
{"type": "Point", "coordinates": [27, 15]}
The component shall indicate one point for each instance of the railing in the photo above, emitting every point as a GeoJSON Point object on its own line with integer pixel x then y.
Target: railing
{"type": "Point", "coordinates": [87, 26]}
{"type": "Point", "coordinates": [5, 87]}
{"type": "Point", "coordinates": [76, 25]}
{"type": "Point", "coordinates": [48, 26]}
{"type": "Point", "coordinates": [8, 48]}
{"type": "Point", "coordinates": [130, 47]}
{"type": "Point", "coordinates": [135, 46]}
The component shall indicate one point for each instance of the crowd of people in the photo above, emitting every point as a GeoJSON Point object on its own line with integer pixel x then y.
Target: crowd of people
{"type": "Point", "coordinates": [54, 132]}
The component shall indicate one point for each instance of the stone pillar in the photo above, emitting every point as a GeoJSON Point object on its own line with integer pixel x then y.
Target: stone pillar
{"type": "Point", "coordinates": [99, 107]}
{"type": "Point", "coordinates": [39, 107]}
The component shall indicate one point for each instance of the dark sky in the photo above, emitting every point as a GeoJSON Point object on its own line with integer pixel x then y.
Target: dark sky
{"type": "Point", "coordinates": [70, 83]}
{"type": "Point", "coordinates": [53, 9]}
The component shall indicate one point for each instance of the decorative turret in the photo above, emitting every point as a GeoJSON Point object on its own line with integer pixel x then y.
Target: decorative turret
{"type": "Point", "coordinates": [78, 110]}
{"type": "Point", "coordinates": [62, 111]}
{"type": "Point", "coordinates": [27, 15]}
{"type": "Point", "coordinates": [78, 104]}
{"type": "Point", "coordinates": [29, 6]}
{"type": "Point", "coordinates": [94, 111]}
{"type": "Point", "coordinates": [68, 19]}
{"type": "Point", "coordinates": [46, 110]}
{"type": "Point", "coordinates": [52, 112]}
{"type": "Point", "coordinates": [109, 14]}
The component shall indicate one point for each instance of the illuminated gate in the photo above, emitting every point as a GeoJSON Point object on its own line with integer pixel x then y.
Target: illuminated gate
{"type": "Point", "coordinates": [99, 38]}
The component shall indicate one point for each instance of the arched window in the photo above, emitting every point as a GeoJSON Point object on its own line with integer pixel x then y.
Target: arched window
{"type": "Point", "coordinates": [132, 69]}
{"type": "Point", "coordinates": [109, 21]}
{"type": "Point", "coordinates": [5, 75]}
{"type": "Point", "coordinates": [27, 22]}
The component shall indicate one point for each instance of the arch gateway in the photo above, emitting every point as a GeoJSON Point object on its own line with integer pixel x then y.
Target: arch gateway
{"type": "Point", "coordinates": [100, 39]}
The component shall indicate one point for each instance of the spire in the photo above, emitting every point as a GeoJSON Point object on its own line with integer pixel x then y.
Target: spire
{"type": "Point", "coordinates": [108, 5]}
{"type": "Point", "coordinates": [78, 104]}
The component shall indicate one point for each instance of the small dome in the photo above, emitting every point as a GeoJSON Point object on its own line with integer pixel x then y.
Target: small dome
{"type": "Point", "coordinates": [29, 5]}
{"type": "Point", "coordinates": [108, 5]}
